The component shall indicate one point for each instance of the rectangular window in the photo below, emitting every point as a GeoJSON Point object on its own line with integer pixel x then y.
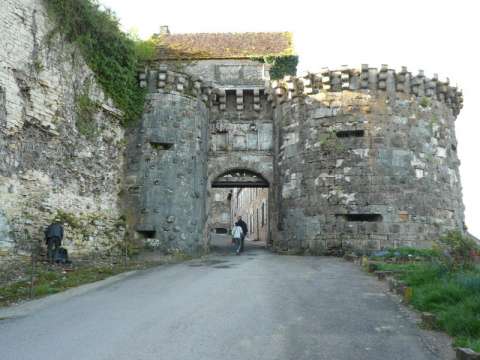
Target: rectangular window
{"type": "Point", "coordinates": [161, 145]}
{"type": "Point", "coordinates": [350, 133]}
{"type": "Point", "coordinates": [361, 217]}
{"type": "Point", "coordinates": [263, 214]}
{"type": "Point", "coordinates": [231, 99]}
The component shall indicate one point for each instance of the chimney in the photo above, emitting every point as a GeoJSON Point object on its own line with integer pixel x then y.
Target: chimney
{"type": "Point", "coordinates": [164, 30]}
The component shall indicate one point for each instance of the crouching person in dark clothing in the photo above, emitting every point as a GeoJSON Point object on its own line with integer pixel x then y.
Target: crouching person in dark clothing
{"type": "Point", "coordinates": [53, 239]}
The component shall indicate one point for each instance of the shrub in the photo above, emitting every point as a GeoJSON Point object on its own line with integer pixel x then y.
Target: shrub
{"type": "Point", "coordinates": [457, 250]}
{"type": "Point", "coordinates": [111, 54]}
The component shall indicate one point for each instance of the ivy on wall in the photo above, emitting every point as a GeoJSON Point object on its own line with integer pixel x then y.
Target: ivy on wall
{"type": "Point", "coordinates": [280, 65]}
{"type": "Point", "coordinates": [111, 54]}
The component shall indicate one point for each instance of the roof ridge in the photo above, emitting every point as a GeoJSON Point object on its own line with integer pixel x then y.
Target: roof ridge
{"type": "Point", "coordinates": [230, 32]}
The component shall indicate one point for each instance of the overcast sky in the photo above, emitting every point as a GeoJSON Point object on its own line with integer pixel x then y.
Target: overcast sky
{"type": "Point", "coordinates": [437, 36]}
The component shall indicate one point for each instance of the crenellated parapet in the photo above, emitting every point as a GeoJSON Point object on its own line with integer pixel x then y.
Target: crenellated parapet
{"type": "Point", "coordinates": [367, 79]}
{"type": "Point", "coordinates": [163, 80]}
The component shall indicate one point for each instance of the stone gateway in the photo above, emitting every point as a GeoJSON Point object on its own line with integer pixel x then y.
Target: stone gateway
{"type": "Point", "coordinates": [359, 158]}
{"type": "Point", "coordinates": [356, 158]}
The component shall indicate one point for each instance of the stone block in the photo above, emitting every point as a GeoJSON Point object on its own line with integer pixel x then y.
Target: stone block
{"type": "Point", "coordinates": [466, 354]}
{"type": "Point", "coordinates": [429, 320]}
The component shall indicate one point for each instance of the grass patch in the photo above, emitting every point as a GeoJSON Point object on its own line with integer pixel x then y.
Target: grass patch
{"type": "Point", "coordinates": [53, 279]}
{"type": "Point", "coordinates": [49, 279]}
{"type": "Point", "coordinates": [453, 295]}
{"type": "Point", "coordinates": [445, 281]}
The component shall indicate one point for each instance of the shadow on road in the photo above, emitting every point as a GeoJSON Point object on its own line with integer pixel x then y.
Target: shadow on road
{"type": "Point", "coordinates": [222, 244]}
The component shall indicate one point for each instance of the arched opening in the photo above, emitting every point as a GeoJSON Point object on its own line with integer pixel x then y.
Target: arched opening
{"type": "Point", "coordinates": [240, 178]}
{"type": "Point", "coordinates": [239, 193]}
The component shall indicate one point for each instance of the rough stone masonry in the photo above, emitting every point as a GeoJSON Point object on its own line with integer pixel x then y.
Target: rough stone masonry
{"type": "Point", "coordinates": [362, 158]}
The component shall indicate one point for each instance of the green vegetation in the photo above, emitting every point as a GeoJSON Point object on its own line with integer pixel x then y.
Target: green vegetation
{"type": "Point", "coordinates": [425, 102]}
{"type": "Point", "coordinates": [85, 109]}
{"type": "Point", "coordinates": [281, 65]}
{"type": "Point", "coordinates": [67, 218]}
{"type": "Point", "coordinates": [50, 280]}
{"type": "Point", "coordinates": [446, 282]}
{"type": "Point", "coordinates": [111, 54]}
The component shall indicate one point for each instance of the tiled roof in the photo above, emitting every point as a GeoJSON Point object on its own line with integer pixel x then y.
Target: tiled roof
{"type": "Point", "coordinates": [223, 45]}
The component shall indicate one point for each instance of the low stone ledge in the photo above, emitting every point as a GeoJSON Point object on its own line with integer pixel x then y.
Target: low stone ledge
{"type": "Point", "coordinates": [466, 354]}
{"type": "Point", "coordinates": [350, 257]}
{"type": "Point", "coordinates": [382, 274]}
{"type": "Point", "coordinates": [429, 320]}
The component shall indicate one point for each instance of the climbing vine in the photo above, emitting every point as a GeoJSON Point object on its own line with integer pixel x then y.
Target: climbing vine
{"type": "Point", "coordinates": [281, 65]}
{"type": "Point", "coordinates": [112, 54]}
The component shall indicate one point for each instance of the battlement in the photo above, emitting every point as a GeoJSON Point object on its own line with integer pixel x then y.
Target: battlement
{"type": "Point", "coordinates": [163, 80]}
{"type": "Point", "coordinates": [367, 79]}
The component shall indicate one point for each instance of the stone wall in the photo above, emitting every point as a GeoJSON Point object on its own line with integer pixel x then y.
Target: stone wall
{"type": "Point", "coordinates": [225, 73]}
{"type": "Point", "coordinates": [49, 167]}
{"type": "Point", "coordinates": [366, 160]}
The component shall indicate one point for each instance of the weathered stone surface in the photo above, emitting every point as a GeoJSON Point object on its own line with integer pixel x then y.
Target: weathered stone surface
{"type": "Point", "coordinates": [47, 166]}
{"type": "Point", "coordinates": [167, 157]}
{"type": "Point", "coordinates": [359, 177]}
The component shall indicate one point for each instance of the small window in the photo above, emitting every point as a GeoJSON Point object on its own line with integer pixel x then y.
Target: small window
{"type": "Point", "coordinates": [350, 133]}
{"type": "Point", "coordinates": [361, 217]}
{"type": "Point", "coordinates": [147, 231]}
{"type": "Point", "coordinates": [221, 231]}
{"type": "Point", "coordinates": [231, 98]}
{"type": "Point", "coordinates": [161, 145]}
{"type": "Point", "coordinates": [263, 214]}
{"type": "Point", "coordinates": [454, 147]}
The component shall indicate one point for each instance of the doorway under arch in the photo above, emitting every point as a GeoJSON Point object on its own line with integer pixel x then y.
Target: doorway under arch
{"type": "Point", "coordinates": [239, 192]}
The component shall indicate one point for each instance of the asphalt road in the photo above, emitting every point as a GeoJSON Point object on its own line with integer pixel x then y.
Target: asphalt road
{"type": "Point", "coordinates": [254, 306]}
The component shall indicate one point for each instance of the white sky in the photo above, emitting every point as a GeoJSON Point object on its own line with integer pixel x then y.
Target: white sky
{"type": "Point", "coordinates": [436, 36]}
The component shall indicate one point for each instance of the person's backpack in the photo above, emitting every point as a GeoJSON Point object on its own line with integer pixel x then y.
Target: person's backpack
{"type": "Point", "coordinates": [61, 256]}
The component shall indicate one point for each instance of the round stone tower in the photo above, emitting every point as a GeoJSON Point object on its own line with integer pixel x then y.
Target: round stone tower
{"type": "Point", "coordinates": [365, 159]}
{"type": "Point", "coordinates": [167, 162]}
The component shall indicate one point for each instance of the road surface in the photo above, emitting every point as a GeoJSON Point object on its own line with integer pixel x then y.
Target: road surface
{"type": "Point", "coordinates": [255, 306]}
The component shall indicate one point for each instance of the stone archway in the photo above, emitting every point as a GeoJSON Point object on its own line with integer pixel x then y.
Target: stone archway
{"type": "Point", "coordinates": [225, 188]}
{"type": "Point", "coordinates": [238, 178]}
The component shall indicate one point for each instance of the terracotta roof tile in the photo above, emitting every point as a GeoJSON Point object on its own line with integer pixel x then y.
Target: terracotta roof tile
{"type": "Point", "coordinates": [224, 45]}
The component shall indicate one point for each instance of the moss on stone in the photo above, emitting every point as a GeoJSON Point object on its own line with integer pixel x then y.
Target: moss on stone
{"type": "Point", "coordinates": [85, 109]}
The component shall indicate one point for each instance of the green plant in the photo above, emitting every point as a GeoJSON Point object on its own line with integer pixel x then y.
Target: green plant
{"type": "Point", "coordinates": [85, 109]}
{"type": "Point", "coordinates": [38, 66]}
{"type": "Point", "coordinates": [457, 250]}
{"type": "Point", "coordinates": [111, 54]}
{"type": "Point", "coordinates": [280, 65]}
{"type": "Point", "coordinates": [425, 102]}
{"type": "Point", "coordinates": [67, 218]}
{"type": "Point", "coordinates": [145, 50]}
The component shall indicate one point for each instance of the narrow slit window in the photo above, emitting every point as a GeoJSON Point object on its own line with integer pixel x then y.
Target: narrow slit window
{"type": "Point", "coordinates": [361, 217]}
{"type": "Point", "coordinates": [221, 231]}
{"type": "Point", "coordinates": [161, 145]}
{"type": "Point", "coordinates": [350, 133]}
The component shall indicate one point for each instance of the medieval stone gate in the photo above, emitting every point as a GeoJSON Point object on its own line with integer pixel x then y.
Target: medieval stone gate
{"type": "Point", "coordinates": [351, 159]}
{"type": "Point", "coordinates": [356, 157]}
